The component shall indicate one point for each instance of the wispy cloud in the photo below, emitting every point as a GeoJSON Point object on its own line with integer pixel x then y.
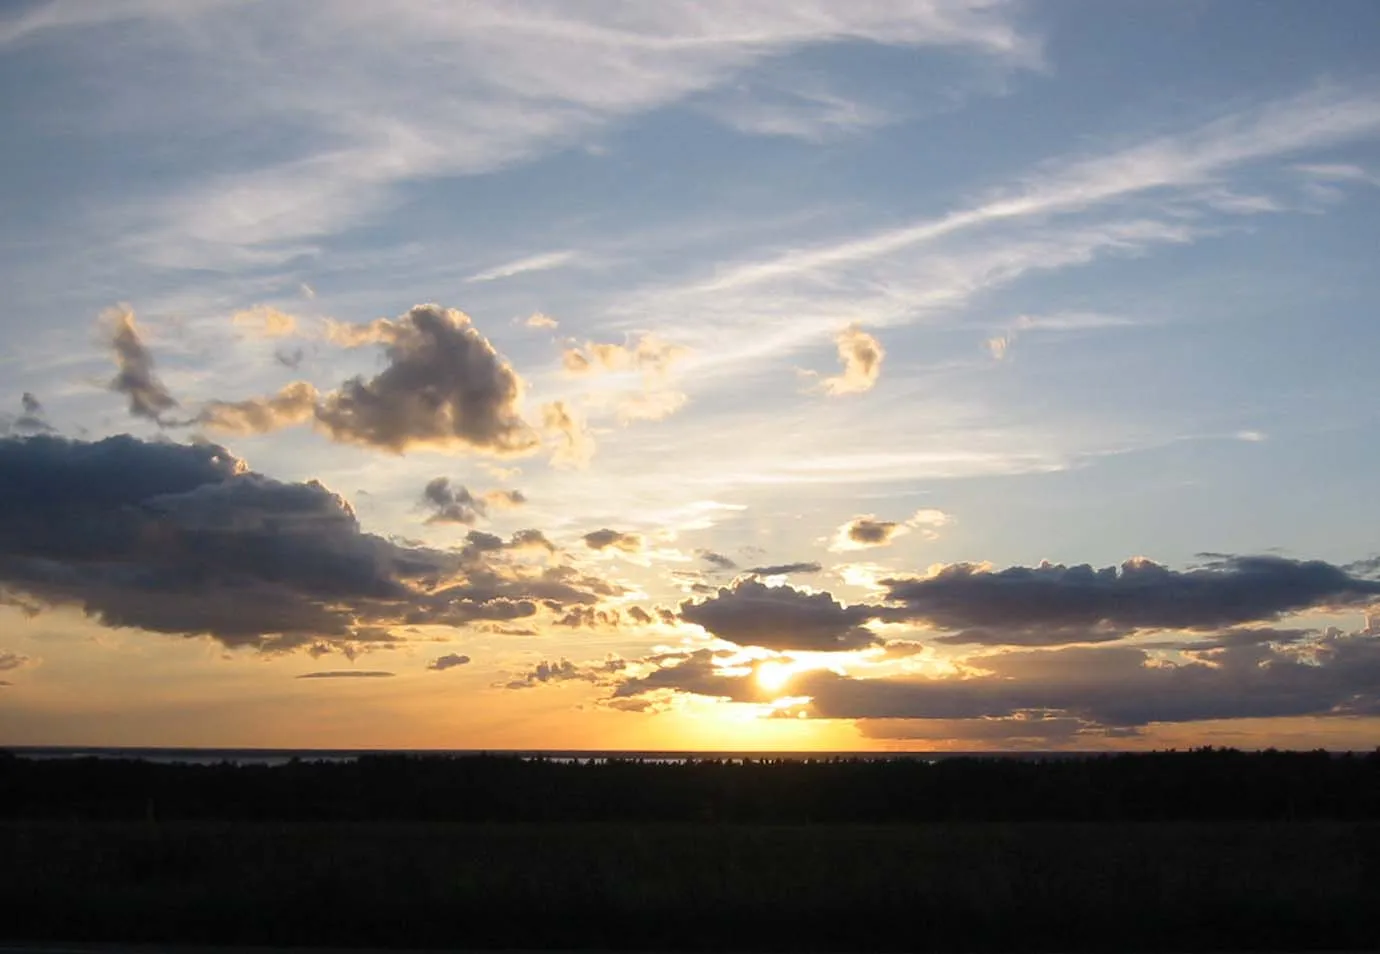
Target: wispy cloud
{"type": "Point", "coordinates": [500, 84]}
{"type": "Point", "coordinates": [1065, 212]}
{"type": "Point", "coordinates": [532, 263]}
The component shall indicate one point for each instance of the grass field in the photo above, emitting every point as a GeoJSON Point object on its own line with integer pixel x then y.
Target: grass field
{"type": "Point", "coordinates": [954, 887]}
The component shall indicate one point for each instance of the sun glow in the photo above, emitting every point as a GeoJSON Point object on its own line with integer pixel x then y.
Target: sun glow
{"type": "Point", "coordinates": [772, 675]}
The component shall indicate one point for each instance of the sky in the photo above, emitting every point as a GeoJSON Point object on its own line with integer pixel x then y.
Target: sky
{"type": "Point", "coordinates": [775, 375]}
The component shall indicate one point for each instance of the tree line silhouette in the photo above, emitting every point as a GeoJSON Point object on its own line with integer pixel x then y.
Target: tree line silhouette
{"type": "Point", "coordinates": [1198, 785]}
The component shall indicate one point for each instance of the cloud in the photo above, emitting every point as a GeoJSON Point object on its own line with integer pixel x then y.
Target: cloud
{"type": "Point", "coordinates": [135, 379]}
{"type": "Point", "coordinates": [783, 569]}
{"type": "Point", "coordinates": [566, 671]}
{"type": "Point", "coordinates": [11, 662]}
{"type": "Point", "coordinates": [295, 403]}
{"type": "Point", "coordinates": [1067, 211]}
{"type": "Point", "coordinates": [1125, 686]}
{"type": "Point", "coordinates": [521, 266]}
{"type": "Point", "coordinates": [347, 674]}
{"type": "Point", "coordinates": [652, 357]}
{"type": "Point", "coordinates": [605, 539]}
{"type": "Point", "coordinates": [647, 353]}
{"type": "Point", "coordinates": [451, 504]}
{"type": "Point", "coordinates": [575, 445]}
{"type": "Point", "coordinates": [541, 321]}
{"type": "Point", "coordinates": [1052, 602]}
{"type": "Point", "coordinates": [999, 345]}
{"type": "Point", "coordinates": [502, 86]}
{"type": "Point", "coordinates": [717, 560]}
{"type": "Point", "coordinates": [1109, 689]}
{"type": "Point", "coordinates": [861, 356]}
{"type": "Point", "coordinates": [868, 531]}
{"type": "Point", "coordinates": [186, 540]}
{"type": "Point", "coordinates": [290, 358]}
{"type": "Point", "coordinates": [448, 661]}
{"type": "Point", "coordinates": [265, 321]}
{"type": "Point", "coordinates": [750, 613]}
{"type": "Point", "coordinates": [445, 387]}
{"type": "Point", "coordinates": [504, 499]}
{"type": "Point", "coordinates": [30, 420]}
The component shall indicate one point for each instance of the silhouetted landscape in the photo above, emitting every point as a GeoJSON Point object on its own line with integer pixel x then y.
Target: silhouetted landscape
{"type": "Point", "coordinates": [1209, 849]}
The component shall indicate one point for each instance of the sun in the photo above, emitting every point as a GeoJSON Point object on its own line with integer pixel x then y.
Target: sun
{"type": "Point", "coordinates": [773, 676]}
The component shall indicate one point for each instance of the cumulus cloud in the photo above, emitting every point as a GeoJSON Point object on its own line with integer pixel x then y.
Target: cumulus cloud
{"type": "Point", "coordinates": [295, 403]}
{"type": "Point", "coordinates": [541, 321]}
{"type": "Point", "coordinates": [1126, 686]}
{"type": "Point", "coordinates": [29, 420]}
{"type": "Point", "coordinates": [750, 613]}
{"type": "Point", "coordinates": [290, 358]}
{"type": "Point", "coordinates": [445, 387]}
{"type": "Point", "coordinates": [618, 540]}
{"type": "Point", "coordinates": [347, 674]}
{"type": "Point", "coordinates": [451, 504]}
{"type": "Point", "coordinates": [646, 353]}
{"type": "Point", "coordinates": [718, 561]}
{"type": "Point", "coordinates": [861, 356]}
{"type": "Point", "coordinates": [1113, 689]}
{"type": "Point", "coordinates": [135, 377]}
{"type": "Point", "coordinates": [566, 671]}
{"type": "Point", "coordinates": [574, 443]}
{"type": "Point", "coordinates": [1055, 599]}
{"type": "Point", "coordinates": [867, 531]}
{"type": "Point", "coordinates": [265, 321]}
{"type": "Point", "coordinates": [504, 499]}
{"type": "Point", "coordinates": [10, 661]}
{"type": "Point", "coordinates": [184, 539]}
{"type": "Point", "coordinates": [448, 661]}
{"type": "Point", "coordinates": [783, 569]}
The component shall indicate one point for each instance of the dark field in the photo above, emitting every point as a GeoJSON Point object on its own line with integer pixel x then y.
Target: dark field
{"type": "Point", "coordinates": [1203, 850]}
{"type": "Point", "coordinates": [961, 886]}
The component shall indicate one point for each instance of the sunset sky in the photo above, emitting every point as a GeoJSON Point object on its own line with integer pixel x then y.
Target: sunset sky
{"type": "Point", "coordinates": [690, 375]}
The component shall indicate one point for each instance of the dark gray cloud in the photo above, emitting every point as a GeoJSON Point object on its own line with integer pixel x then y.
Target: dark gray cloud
{"type": "Point", "coordinates": [867, 532]}
{"type": "Point", "coordinates": [1065, 601]}
{"type": "Point", "coordinates": [290, 358]}
{"type": "Point", "coordinates": [135, 377]}
{"type": "Point", "coordinates": [564, 670]}
{"type": "Point", "coordinates": [751, 613]}
{"type": "Point", "coordinates": [1099, 687]}
{"type": "Point", "coordinates": [697, 673]}
{"type": "Point", "coordinates": [451, 504]}
{"type": "Point", "coordinates": [618, 540]}
{"type": "Point", "coordinates": [445, 387]}
{"type": "Point", "coordinates": [184, 539]}
{"type": "Point", "coordinates": [347, 674]}
{"type": "Point", "coordinates": [783, 569]}
{"type": "Point", "coordinates": [1126, 685]}
{"type": "Point", "coordinates": [717, 560]}
{"type": "Point", "coordinates": [30, 419]}
{"type": "Point", "coordinates": [448, 661]}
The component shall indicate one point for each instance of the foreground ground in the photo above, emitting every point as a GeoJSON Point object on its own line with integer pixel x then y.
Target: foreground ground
{"type": "Point", "coordinates": [973, 886]}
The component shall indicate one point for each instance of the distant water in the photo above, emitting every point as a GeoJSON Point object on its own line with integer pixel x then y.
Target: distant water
{"type": "Point", "coordinates": [284, 756]}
